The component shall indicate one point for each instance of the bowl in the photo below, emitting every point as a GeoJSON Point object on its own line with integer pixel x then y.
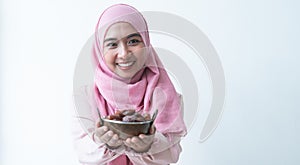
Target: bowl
{"type": "Point", "coordinates": [127, 129]}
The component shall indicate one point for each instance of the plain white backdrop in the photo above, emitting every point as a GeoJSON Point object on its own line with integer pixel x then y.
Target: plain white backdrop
{"type": "Point", "coordinates": [258, 44]}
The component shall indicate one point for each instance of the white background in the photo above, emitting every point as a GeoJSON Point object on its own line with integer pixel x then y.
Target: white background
{"type": "Point", "coordinates": [258, 44]}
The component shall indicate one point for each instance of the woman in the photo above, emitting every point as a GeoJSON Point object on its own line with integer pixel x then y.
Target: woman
{"type": "Point", "coordinates": [129, 75]}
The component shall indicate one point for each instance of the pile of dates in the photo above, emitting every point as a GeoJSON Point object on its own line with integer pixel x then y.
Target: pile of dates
{"type": "Point", "coordinates": [129, 116]}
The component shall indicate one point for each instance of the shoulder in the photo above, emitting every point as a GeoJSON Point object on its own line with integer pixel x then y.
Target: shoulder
{"type": "Point", "coordinates": [83, 90]}
{"type": "Point", "coordinates": [84, 93]}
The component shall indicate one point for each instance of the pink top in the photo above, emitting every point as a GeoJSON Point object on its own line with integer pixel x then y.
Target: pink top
{"type": "Point", "coordinates": [148, 90]}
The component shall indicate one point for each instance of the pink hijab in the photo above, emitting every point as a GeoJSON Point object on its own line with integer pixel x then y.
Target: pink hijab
{"type": "Point", "coordinates": [148, 90]}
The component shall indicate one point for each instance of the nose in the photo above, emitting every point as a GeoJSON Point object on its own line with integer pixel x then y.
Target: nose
{"type": "Point", "coordinates": [122, 51]}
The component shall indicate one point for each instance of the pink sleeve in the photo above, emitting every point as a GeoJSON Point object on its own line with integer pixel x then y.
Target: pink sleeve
{"type": "Point", "coordinates": [88, 151]}
{"type": "Point", "coordinates": [164, 150]}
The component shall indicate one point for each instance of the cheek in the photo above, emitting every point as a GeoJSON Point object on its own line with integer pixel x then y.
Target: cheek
{"type": "Point", "coordinates": [142, 57]}
{"type": "Point", "coordinates": [109, 60]}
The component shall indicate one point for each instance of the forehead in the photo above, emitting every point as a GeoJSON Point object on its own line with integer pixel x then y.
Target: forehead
{"type": "Point", "coordinates": [119, 30]}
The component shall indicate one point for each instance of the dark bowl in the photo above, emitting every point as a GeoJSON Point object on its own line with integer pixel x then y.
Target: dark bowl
{"type": "Point", "coordinates": [127, 129]}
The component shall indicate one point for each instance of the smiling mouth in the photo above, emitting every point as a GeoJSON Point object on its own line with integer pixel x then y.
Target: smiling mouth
{"type": "Point", "coordinates": [127, 64]}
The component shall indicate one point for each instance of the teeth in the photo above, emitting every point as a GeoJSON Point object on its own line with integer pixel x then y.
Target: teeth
{"type": "Point", "coordinates": [125, 64]}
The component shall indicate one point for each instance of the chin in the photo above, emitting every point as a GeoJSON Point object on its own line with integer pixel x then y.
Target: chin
{"type": "Point", "coordinates": [126, 76]}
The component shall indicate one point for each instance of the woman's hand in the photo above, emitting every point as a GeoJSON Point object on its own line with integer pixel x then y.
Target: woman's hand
{"type": "Point", "coordinates": [141, 143]}
{"type": "Point", "coordinates": [104, 135]}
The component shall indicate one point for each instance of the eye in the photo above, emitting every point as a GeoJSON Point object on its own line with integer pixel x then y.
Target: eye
{"type": "Point", "coordinates": [111, 45]}
{"type": "Point", "coordinates": [133, 42]}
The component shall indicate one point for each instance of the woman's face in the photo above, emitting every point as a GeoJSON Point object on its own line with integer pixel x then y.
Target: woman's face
{"type": "Point", "coordinates": [124, 50]}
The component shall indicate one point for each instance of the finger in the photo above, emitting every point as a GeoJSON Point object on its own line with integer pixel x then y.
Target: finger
{"type": "Point", "coordinates": [137, 142]}
{"type": "Point", "coordinates": [120, 142]}
{"type": "Point", "coordinates": [114, 141]}
{"type": "Point", "coordinates": [101, 131]}
{"type": "Point", "coordinates": [107, 136]}
{"type": "Point", "coordinates": [128, 143]}
{"type": "Point", "coordinates": [147, 139]}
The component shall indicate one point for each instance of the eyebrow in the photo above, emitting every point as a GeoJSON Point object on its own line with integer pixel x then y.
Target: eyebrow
{"type": "Point", "coordinates": [129, 36]}
{"type": "Point", "coordinates": [109, 39]}
{"type": "Point", "coordinates": [133, 35]}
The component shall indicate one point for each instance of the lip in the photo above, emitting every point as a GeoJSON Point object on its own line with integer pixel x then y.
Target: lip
{"type": "Point", "coordinates": [125, 65]}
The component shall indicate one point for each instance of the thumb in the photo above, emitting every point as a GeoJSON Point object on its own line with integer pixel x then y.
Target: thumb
{"type": "Point", "coordinates": [152, 130]}
{"type": "Point", "coordinates": [98, 123]}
